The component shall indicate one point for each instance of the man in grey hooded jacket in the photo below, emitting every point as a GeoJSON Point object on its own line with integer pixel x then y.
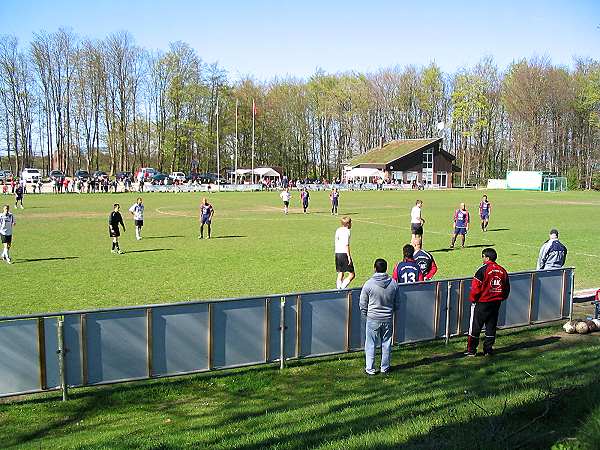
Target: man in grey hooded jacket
{"type": "Point", "coordinates": [378, 302]}
{"type": "Point", "coordinates": [553, 253]}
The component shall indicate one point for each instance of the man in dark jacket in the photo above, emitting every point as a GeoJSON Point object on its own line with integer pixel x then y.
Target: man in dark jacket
{"type": "Point", "coordinates": [489, 288]}
{"type": "Point", "coordinates": [553, 253]}
{"type": "Point", "coordinates": [378, 303]}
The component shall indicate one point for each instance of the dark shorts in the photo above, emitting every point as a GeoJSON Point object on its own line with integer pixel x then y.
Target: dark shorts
{"type": "Point", "coordinates": [205, 220]}
{"type": "Point", "coordinates": [484, 216]}
{"type": "Point", "coordinates": [460, 230]}
{"type": "Point", "coordinates": [139, 223]}
{"type": "Point", "coordinates": [341, 263]}
{"type": "Point", "coordinates": [416, 229]}
{"type": "Point", "coordinates": [286, 203]}
{"type": "Point", "coordinates": [115, 233]}
{"type": "Point", "coordinates": [305, 203]}
{"type": "Point", "coordinates": [6, 238]}
{"type": "Point", "coordinates": [19, 198]}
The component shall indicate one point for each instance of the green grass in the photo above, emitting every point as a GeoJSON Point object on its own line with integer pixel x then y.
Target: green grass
{"type": "Point", "coordinates": [433, 399]}
{"type": "Point", "coordinates": [62, 252]}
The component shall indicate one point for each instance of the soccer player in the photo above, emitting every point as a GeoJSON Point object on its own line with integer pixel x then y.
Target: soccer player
{"type": "Point", "coordinates": [553, 253]}
{"type": "Point", "coordinates": [137, 211]}
{"type": "Point", "coordinates": [425, 262]}
{"type": "Point", "coordinates": [7, 222]}
{"type": "Point", "coordinates": [334, 197]}
{"type": "Point", "coordinates": [489, 288]}
{"type": "Point", "coordinates": [286, 196]}
{"type": "Point", "coordinates": [206, 214]}
{"type": "Point", "coordinates": [485, 209]}
{"type": "Point", "coordinates": [304, 196]}
{"type": "Point", "coordinates": [378, 302]}
{"type": "Point", "coordinates": [407, 271]}
{"type": "Point", "coordinates": [114, 219]}
{"type": "Point", "coordinates": [19, 191]}
{"type": "Point", "coordinates": [416, 224]}
{"type": "Point", "coordinates": [461, 225]}
{"type": "Point", "coordinates": [343, 259]}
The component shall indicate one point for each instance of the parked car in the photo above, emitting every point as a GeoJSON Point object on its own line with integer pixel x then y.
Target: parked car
{"type": "Point", "coordinates": [6, 175]}
{"type": "Point", "coordinates": [177, 176]}
{"type": "Point", "coordinates": [211, 178]}
{"type": "Point", "coordinates": [82, 175]}
{"type": "Point", "coordinates": [56, 175]}
{"type": "Point", "coordinates": [159, 178]}
{"type": "Point", "coordinates": [99, 175]}
{"type": "Point", "coordinates": [148, 172]}
{"type": "Point", "coordinates": [120, 176]}
{"type": "Point", "coordinates": [30, 175]}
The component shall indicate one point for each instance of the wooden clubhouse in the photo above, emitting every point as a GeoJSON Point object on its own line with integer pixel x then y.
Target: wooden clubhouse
{"type": "Point", "coordinates": [405, 160]}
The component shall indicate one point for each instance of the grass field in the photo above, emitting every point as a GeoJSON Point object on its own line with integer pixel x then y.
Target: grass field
{"type": "Point", "coordinates": [540, 391]}
{"type": "Point", "coordinates": [62, 258]}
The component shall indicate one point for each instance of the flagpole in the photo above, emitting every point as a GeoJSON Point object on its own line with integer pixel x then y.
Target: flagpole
{"type": "Point", "coordinates": [253, 114]}
{"type": "Point", "coordinates": [236, 141]}
{"type": "Point", "coordinates": [218, 159]}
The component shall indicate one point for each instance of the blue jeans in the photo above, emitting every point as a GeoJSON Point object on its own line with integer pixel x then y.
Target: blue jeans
{"type": "Point", "coordinates": [378, 331]}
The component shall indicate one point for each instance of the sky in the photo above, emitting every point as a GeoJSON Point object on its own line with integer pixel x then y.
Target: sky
{"type": "Point", "coordinates": [267, 39]}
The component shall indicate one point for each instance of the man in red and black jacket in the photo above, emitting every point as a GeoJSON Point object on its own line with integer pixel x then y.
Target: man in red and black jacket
{"type": "Point", "coordinates": [489, 288]}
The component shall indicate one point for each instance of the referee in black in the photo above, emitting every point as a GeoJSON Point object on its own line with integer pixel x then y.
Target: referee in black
{"type": "Point", "coordinates": [114, 219]}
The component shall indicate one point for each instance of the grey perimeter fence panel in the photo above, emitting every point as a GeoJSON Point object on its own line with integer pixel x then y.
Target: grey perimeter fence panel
{"type": "Point", "coordinates": [123, 344]}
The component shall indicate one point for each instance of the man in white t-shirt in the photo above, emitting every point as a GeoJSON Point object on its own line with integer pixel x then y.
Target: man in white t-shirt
{"type": "Point", "coordinates": [416, 224]}
{"type": "Point", "coordinates": [343, 259]}
{"type": "Point", "coordinates": [137, 210]}
{"type": "Point", "coordinates": [7, 221]}
{"type": "Point", "coordinates": [286, 196]}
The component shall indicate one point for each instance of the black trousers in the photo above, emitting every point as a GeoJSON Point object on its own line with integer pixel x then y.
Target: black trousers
{"type": "Point", "coordinates": [485, 313]}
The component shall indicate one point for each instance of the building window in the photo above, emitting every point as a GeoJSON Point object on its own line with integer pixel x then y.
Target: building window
{"type": "Point", "coordinates": [428, 158]}
{"type": "Point", "coordinates": [410, 176]}
{"type": "Point", "coordinates": [428, 176]}
{"type": "Point", "coordinates": [442, 179]}
{"type": "Point", "coordinates": [398, 175]}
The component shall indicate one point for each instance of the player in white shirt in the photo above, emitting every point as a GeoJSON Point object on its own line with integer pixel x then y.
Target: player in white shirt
{"type": "Point", "coordinates": [137, 211]}
{"type": "Point", "coordinates": [343, 259]}
{"type": "Point", "coordinates": [416, 224]}
{"type": "Point", "coordinates": [7, 222]}
{"type": "Point", "coordinates": [286, 196]}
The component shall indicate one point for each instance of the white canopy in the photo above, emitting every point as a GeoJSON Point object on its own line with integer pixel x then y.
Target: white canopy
{"type": "Point", "coordinates": [260, 171]}
{"type": "Point", "coordinates": [364, 172]}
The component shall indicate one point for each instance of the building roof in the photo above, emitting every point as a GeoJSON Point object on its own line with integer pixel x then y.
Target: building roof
{"type": "Point", "coordinates": [391, 151]}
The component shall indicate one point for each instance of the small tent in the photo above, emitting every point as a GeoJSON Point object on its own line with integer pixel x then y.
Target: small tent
{"type": "Point", "coordinates": [363, 173]}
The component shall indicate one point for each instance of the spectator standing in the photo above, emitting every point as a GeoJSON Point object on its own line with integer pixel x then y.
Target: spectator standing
{"type": "Point", "coordinates": [489, 288]}
{"type": "Point", "coordinates": [553, 253]}
{"type": "Point", "coordinates": [378, 301]}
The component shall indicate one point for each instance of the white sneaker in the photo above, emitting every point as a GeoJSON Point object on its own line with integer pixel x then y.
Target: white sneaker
{"type": "Point", "coordinates": [8, 261]}
{"type": "Point", "coordinates": [139, 238]}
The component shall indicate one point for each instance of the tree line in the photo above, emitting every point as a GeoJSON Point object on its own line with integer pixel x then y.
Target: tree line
{"type": "Point", "coordinates": [69, 102]}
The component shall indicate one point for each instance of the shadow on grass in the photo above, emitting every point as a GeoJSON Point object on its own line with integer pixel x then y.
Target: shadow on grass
{"type": "Point", "coordinates": [232, 236]}
{"type": "Point", "coordinates": [497, 229]}
{"type": "Point", "coordinates": [479, 245]}
{"type": "Point", "coordinates": [150, 250]}
{"type": "Point", "coordinates": [57, 258]}
{"type": "Point", "coordinates": [164, 237]}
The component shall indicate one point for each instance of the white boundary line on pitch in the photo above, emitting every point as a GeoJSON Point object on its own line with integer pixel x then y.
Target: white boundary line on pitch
{"type": "Point", "coordinates": [589, 255]}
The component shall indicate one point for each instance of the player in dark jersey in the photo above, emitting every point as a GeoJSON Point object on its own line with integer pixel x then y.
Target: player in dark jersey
{"type": "Point", "coordinates": [305, 197]}
{"type": "Point", "coordinates": [461, 225]}
{"type": "Point", "coordinates": [485, 209]}
{"type": "Point", "coordinates": [425, 262]}
{"type": "Point", "coordinates": [334, 197]}
{"type": "Point", "coordinates": [489, 288]}
{"type": "Point", "coordinates": [407, 271]}
{"type": "Point", "coordinates": [19, 192]}
{"type": "Point", "coordinates": [114, 219]}
{"type": "Point", "coordinates": [206, 214]}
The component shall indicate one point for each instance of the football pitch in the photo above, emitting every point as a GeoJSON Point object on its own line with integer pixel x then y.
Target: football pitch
{"type": "Point", "coordinates": [62, 259]}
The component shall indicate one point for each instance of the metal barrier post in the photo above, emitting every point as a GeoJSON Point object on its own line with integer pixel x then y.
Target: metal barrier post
{"type": "Point", "coordinates": [282, 334]}
{"type": "Point", "coordinates": [448, 312]}
{"type": "Point", "coordinates": [571, 296]}
{"type": "Point", "coordinates": [61, 360]}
